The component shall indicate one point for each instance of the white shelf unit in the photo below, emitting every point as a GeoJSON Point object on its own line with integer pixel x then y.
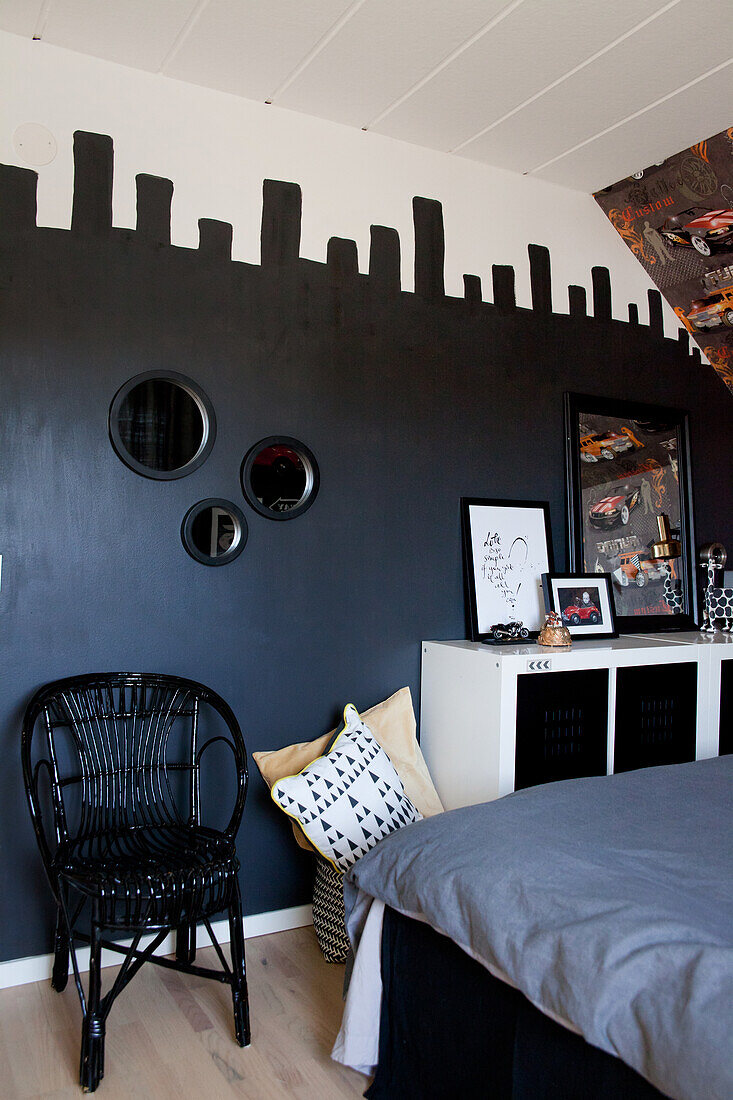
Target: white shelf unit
{"type": "Point", "coordinates": [468, 714]}
{"type": "Point", "coordinates": [713, 652]}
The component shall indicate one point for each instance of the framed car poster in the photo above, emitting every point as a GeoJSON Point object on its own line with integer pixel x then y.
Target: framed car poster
{"type": "Point", "coordinates": [507, 547]}
{"type": "Point", "coordinates": [628, 463]}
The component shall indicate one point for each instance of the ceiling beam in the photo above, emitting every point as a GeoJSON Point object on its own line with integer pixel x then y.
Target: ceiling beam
{"type": "Point", "coordinates": [498, 18]}
{"type": "Point", "coordinates": [566, 76]}
{"type": "Point", "coordinates": [322, 42]}
{"type": "Point", "coordinates": [183, 34]}
{"type": "Point", "coordinates": [629, 118]}
{"type": "Point", "coordinates": [41, 20]}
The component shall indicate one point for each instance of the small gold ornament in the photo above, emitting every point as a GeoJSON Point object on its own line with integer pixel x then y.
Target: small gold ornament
{"type": "Point", "coordinates": [553, 633]}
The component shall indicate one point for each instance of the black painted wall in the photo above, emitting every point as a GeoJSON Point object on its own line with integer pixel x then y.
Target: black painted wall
{"type": "Point", "coordinates": [409, 400]}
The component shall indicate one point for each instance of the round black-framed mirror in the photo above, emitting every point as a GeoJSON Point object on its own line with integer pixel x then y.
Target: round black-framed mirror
{"type": "Point", "coordinates": [162, 425]}
{"type": "Point", "coordinates": [214, 531]}
{"type": "Point", "coordinates": [280, 477]}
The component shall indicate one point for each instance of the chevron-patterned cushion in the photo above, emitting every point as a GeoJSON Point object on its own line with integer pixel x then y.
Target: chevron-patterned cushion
{"type": "Point", "coordinates": [329, 919]}
{"type": "Point", "coordinates": [349, 798]}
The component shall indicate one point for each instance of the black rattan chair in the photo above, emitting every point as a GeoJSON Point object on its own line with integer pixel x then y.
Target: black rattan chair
{"type": "Point", "coordinates": [112, 771]}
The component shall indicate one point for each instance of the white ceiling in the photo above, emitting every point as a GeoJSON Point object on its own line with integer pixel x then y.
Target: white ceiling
{"type": "Point", "coordinates": [578, 92]}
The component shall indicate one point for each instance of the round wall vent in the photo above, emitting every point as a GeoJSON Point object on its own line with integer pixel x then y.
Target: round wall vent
{"type": "Point", "coordinates": [34, 144]}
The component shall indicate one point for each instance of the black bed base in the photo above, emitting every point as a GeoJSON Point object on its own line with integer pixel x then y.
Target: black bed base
{"type": "Point", "coordinates": [450, 1031]}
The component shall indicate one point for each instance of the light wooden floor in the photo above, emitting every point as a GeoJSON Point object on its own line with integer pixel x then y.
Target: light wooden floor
{"type": "Point", "coordinates": [170, 1035]}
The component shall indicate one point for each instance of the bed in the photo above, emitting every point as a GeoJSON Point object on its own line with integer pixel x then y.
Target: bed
{"type": "Point", "coordinates": [578, 931]}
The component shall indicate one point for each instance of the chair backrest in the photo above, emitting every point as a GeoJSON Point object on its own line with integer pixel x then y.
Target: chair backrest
{"type": "Point", "coordinates": [123, 750]}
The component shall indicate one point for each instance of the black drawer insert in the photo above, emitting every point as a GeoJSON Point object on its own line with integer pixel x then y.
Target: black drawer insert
{"type": "Point", "coordinates": [562, 720]}
{"type": "Point", "coordinates": [656, 708]}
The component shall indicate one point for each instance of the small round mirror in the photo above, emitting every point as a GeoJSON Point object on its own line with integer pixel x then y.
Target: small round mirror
{"type": "Point", "coordinates": [162, 425]}
{"type": "Point", "coordinates": [280, 477]}
{"type": "Point", "coordinates": [214, 531]}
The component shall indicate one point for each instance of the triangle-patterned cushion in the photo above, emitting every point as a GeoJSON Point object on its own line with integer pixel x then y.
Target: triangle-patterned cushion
{"type": "Point", "coordinates": [356, 782]}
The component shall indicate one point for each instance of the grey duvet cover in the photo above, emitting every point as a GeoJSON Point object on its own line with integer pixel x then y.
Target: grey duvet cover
{"type": "Point", "coordinates": [608, 902]}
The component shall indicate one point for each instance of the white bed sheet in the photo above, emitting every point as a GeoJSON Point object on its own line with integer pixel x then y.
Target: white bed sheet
{"type": "Point", "coordinates": [357, 1043]}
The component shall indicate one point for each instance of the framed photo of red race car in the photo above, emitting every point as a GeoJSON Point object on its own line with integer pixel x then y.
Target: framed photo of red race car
{"type": "Point", "coordinates": [627, 463]}
{"type": "Point", "coordinates": [584, 603]}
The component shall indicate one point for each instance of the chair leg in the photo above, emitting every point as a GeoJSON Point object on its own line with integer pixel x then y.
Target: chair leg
{"type": "Point", "coordinates": [60, 974]}
{"type": "Point", "coordinates": [93, 1025]}
{"type": "Point", "coordinates": [186, 944]}
{"type": "Point", "coordinates": [240, 999]}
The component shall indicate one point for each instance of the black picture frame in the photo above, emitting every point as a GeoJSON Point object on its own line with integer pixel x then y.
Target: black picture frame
{"type": "Point", "coordinates": [499, 518]}
{"type": "Point", "coordinates": [615, 490]}
{"type": "Point", "coordinates": [588, 621]}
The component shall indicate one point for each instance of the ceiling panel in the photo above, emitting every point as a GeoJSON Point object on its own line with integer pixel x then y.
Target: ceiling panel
{"type": "Point", "coordinates": [649, 138]}
{"type": "Point", "coordinates": [138, 33]}
{"type": "Point", "coordinates": [445, 74]}
{"type": "Point", "coordinates": [381, 52]}
{"type": "Point", "coordinates": [20, 16]}
{"type": "Point", "coordinates": [535, 45]}
{"type": "Point", "coordinates": [249, 47]}
{"type": "Point", "coordinates": [595, 98]}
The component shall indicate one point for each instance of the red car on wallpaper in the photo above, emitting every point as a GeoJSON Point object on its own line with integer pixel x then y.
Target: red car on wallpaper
{"type": "Point", "coordinates": [614, 509]}
{"type": "Point", "coordinates": [707, 231]}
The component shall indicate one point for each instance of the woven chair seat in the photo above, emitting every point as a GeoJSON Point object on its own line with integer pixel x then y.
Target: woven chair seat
{"type": "Point", "coordinates": [152, 876]}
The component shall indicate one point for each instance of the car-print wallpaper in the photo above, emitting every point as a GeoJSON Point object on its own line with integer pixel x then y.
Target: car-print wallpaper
{"type": "Point", "coordinates": [677, 219]}
{"type": "Point", "coordinates": [629, 475]}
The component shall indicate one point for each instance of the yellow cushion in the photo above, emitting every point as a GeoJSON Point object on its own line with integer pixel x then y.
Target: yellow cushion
{"type": "Point", "coordinates": [393, 725]}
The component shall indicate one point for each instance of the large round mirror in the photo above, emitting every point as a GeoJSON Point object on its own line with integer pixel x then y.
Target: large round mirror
{"type": "Point", "coordinates": [280, 477]}
{"type": "Point", "coordinates": [162, 425]}
{"type": "Point", "coordinates": [214, 531]}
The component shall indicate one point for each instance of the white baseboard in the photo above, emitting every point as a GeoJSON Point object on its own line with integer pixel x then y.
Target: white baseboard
{"type": "Point", "coordinates": [37, 968]}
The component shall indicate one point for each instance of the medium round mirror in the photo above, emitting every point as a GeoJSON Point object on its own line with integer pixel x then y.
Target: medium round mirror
{"type": "Point", "coordinates": [280, 477]}
{"type": "Point", "coordinates": [162, 425]}
{"type": "Point", "coordinates": [214, 531]}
